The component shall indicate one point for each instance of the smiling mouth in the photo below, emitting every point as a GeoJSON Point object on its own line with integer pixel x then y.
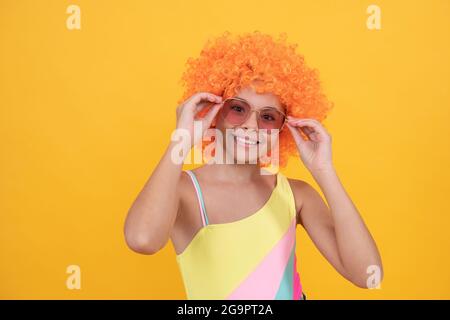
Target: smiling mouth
{"type": "Point", "coordinates": [245, 141]}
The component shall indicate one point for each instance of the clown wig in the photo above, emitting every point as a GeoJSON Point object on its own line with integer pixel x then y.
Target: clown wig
{"type": "Point", "coordinates": [226, 64]}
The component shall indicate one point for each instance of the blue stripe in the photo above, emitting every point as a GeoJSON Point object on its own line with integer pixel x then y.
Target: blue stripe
{"type": "Point", "coordinates": [197, 186]}
{"type": "Point", "coordinates": [286, 288]}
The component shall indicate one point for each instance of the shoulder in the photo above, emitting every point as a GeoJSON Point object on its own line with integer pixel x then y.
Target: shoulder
{"type": "Point", "coordinates": [312, 206]}
{"type": "Point", "coordinates": [306, 196]}
{"type": "Point", "coordinates": [183, 182]}
{"type": "Point", "coordinates": [183, 189]}
{"type": "Point", "coordinates": [186, 190]}
{"type": "Point", "coordinates": [301, 187]}
{"type": "Point", "coordinates": [300, 190]}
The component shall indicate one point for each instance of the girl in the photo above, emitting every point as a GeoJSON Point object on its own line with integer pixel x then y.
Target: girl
{"type": "Point", "coordinates": [232, 227]}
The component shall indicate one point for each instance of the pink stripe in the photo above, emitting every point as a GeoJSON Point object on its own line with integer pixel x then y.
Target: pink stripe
{"type": "Point", "coordinates": [297, 283]}
{"type": "Point", "coordinates": [198, 197]}
{"type": "Point", "coordinates": [264, 281]}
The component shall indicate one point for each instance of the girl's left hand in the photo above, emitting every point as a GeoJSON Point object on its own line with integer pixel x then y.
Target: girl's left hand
{"type": "Point", "coordinates": [316, 151]}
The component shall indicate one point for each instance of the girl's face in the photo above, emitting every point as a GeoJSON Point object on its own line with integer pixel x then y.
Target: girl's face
{"type": "Point", "coordinates": [245, 143]}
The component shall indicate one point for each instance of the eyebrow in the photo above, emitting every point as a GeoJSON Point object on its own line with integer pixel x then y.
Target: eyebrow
{"type": "Point", "coordinates": [239, 98]}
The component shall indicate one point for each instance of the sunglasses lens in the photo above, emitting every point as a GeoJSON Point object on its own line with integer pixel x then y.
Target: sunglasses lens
{"type": "Point", "coordinates": [270, 118]}
{"type": "Point", "coordinates": [235, 112]}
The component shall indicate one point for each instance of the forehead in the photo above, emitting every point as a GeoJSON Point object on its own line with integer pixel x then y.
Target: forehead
{"type": "Point", "coordinates": [259, 100]}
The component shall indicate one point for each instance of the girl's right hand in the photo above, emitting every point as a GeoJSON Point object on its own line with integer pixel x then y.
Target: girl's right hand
{"type": "Point", "coordinates": [187, 111]}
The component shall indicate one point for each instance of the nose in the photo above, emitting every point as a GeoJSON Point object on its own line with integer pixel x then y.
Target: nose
{"type": "Point", "coordinates": [252, 121]}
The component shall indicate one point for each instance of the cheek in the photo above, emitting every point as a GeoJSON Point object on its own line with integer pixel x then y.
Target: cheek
{"type": "Point", "coordinates": [222, 128]}
{"type": "Point", "coordinates": [221, 123]}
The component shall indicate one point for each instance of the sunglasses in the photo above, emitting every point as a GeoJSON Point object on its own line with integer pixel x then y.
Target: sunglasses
{"type": "Point", "coordinates": [236, 111]}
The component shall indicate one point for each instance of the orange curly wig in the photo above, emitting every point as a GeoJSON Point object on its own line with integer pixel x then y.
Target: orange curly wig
{"type": "Point", "coordinates": [226, 64]}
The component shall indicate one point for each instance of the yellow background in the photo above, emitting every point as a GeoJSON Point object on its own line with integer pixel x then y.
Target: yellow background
{"type": "Point", "coordinates": [86, 115]}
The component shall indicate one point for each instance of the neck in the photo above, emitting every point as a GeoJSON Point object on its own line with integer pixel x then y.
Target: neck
{"type": "Point", "coordinates": [236, 172]}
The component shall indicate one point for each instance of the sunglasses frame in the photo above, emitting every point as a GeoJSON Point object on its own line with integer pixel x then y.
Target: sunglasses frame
{"type": "Point", "coordinates": [257, 111]}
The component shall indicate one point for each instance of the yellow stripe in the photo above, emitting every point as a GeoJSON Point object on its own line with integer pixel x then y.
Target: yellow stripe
{"type": "Point", "coordinates": [221, 256]}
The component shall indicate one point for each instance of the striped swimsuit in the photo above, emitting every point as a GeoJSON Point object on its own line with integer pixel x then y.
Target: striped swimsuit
{"type": "Point", "coordinates": [252, 258]}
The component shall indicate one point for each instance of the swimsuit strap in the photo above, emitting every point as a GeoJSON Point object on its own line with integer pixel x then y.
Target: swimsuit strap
{"type": "Point", "coordinates": [201, 202]}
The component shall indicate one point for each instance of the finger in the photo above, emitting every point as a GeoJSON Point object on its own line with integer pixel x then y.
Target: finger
{"type": "Point", "coordinates": [308, 131]}
{"type": "Point", "coordinates": [212, 113]}
{"type": "Point", "coordinates": [205, 96]}
{"type": "Point", "coordinates": [312, 135]}
{"type": "Point", "coordinates": [199, 107]}
{"type": "Point", "coordinates": [291, 118]}
{"type": "Point", "coordinates": [193, 102]}
{"type": "Point", "coordinates": [299, 140]}
{"type": "Point", "coordinates": [310, 122]}
{"type": "Point", "coordinates": [315, 128]}
{"type": "Point", "coordinates": [304, 132]}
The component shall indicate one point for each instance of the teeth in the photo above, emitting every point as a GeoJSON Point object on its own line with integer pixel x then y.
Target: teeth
{"type": "Point", "coordinates": [241, 140]}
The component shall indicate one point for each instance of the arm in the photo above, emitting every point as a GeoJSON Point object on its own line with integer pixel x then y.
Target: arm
{"type": "Point", "coordinates": [153, 213]}
{"type": "Point", "coordinates": [338, 231]}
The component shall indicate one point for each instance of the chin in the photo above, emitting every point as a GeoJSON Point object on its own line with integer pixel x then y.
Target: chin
{"type": "Point", "coordinates": [245, 160]}
{"type": "Point", "coordinates": [246, 156]}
